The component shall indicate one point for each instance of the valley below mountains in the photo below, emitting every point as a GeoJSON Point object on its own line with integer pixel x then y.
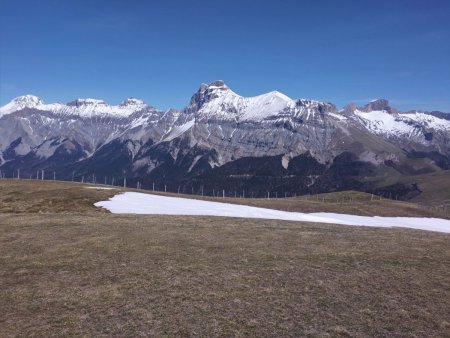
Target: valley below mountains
{"type": "Point", "coordinates": [223, 142]}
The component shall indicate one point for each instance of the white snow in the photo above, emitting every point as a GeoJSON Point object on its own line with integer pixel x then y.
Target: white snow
{"type": "Point", "coordinates": [178, 130]}
{"type": "Point", "coordinates": [19, 103]}
{"type": "Point", "coordinates": [383, 122]}
{"type": "Point", "coordinates": [140, 203]}
{"type": "Point", "coordinates": [337, 116]}
{"type": "Point", "coordinates": [266, 105]}
{"type": "Point", "coordinates": [226, 104]}
{"type": "Point", "coordinates": [81, 107]}
{"type": "Point", "coordinates": [429, 120]}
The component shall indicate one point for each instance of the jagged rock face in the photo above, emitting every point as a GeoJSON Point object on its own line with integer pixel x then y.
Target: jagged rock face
{"type": "Point", "coordinates": [377, 105]}
{"type": "Point", "coordinates": [264, 125]}
{"type": "Point", "coordinates": [218, 127]}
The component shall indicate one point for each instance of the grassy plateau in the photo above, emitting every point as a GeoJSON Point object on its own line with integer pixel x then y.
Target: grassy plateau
{"type": "Point", "coordinates": [70, 269]}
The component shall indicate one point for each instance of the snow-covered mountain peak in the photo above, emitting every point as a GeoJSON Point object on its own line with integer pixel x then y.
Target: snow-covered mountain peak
{"type": "Point", "coordinates": [87, 102]}
{"type": "Point", "coordinates": [377, 105]}
{"type": "Point", "coordinates": [92, 107]}
{"type": "Point", "coordinates": [132, 101]}
{"type": "Point", "coordinates": [87, 107]}
{"type": "Point", "coordinates": [209, 92]}
{"type": "Point", "coordinates": [28, 100]}
{"type": "Point", "coordinates": [217, 84]}
{"type": "Point", "coordinates": [280, 95]}
{"type": "Point", "coordinates": [218, 101]}
{"type": "Point", "coordinates": [214, 89]}
{"type": "Point", "coordinates": [21, 102]}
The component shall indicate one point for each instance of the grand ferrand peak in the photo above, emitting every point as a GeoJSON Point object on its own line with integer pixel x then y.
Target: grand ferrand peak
{"type": "Point", "coordinates": [206, 93]}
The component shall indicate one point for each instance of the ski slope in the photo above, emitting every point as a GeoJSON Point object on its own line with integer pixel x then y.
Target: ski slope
{"type": "Point", "coordinates": [147, 204]}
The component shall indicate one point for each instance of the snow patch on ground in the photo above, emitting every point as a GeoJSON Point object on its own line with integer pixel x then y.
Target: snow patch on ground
{"type": "Point", "coordinates": [140, 203]}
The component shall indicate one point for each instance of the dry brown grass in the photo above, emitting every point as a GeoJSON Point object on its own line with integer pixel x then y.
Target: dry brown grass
{"type": "Point", "coordinates": [108, 275]}
{"type": "Point", "coordinates": [31, 196]}
{"type": "Point", "coordinates": [76, 271]}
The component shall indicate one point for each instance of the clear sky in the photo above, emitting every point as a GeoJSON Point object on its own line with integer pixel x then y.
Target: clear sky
{"type": "Point", "coordinates": [161, 51]}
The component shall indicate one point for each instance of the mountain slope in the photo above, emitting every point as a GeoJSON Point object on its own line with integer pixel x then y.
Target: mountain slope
{"type": "Point", "coordinates": [223, 140]}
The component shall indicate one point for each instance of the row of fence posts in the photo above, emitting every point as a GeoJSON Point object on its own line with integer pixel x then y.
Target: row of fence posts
{"type": "Point", "coordinates": [40, 175]}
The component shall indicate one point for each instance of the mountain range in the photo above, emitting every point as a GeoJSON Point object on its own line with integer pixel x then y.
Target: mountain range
{"type": "Point", "coordinates": [222, 141]}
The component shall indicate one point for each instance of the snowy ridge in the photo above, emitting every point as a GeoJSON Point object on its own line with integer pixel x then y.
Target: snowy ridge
{"type": "Point", "coordinates": [218, 101]}
{"type": "Point", "coordinates": [80, 107]}
{"type": "Point", "coordinates": [25, 101]}
{"type": "Point", "coordinates": [404, 124]}
{"type": "Point", "coordinates": [263, 106]}
{"type": "Point", "coordinates": [429, 120]}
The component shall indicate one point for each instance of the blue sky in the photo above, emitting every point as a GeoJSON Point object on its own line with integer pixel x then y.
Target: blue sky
{"type": "Point", "coordinates": [161, 51]}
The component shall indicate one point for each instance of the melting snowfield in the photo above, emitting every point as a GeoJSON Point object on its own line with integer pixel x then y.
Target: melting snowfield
{"type": "Point", "coordinates": [140, 203]}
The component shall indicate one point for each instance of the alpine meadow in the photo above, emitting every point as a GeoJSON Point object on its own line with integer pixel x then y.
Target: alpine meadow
{"type": "Point", "coordinates": [224, 169]}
